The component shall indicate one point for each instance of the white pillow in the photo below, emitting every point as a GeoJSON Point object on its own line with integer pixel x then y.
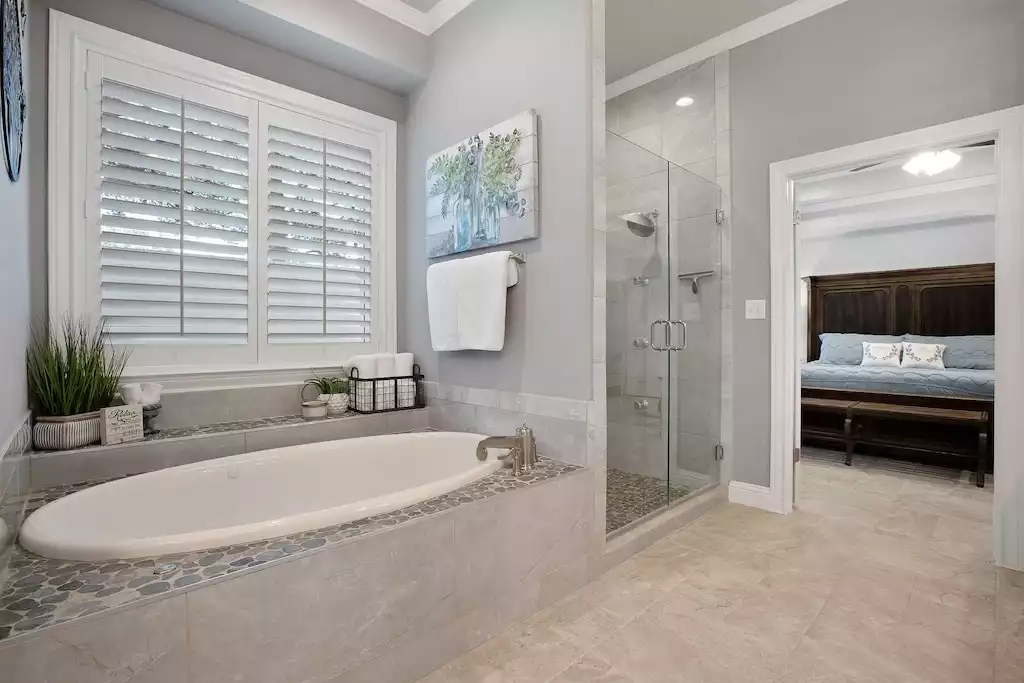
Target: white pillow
{"type": "Point", "coordinates": [918, 355]}
{"type": "Point", "coordinates": [881, 354]}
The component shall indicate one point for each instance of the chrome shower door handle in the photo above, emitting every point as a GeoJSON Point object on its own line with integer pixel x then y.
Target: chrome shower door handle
{"type": "Point", "coordinates": [671, 324]}
{"type": "Point", "coordinates": [667, 346]}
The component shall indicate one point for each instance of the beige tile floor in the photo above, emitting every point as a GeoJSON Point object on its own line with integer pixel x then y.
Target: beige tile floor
{"type": "Point", "coordinates": [878, 576]}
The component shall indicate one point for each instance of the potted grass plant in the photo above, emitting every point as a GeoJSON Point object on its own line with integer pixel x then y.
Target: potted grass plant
{"type": "Point", "coordinates": [332, 390]}
{"type": "Point", "coordinates": [72, 374]}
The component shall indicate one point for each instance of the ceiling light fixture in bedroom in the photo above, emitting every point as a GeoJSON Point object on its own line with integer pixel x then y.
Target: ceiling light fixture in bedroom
{"type": "Point", "coordinates": [932, 163]}
{"type": "Point", "coordinates": [684, 101]}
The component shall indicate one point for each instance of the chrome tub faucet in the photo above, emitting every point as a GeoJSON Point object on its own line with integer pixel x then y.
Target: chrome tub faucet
{"type": "Point", "coordinates": [522, 447]}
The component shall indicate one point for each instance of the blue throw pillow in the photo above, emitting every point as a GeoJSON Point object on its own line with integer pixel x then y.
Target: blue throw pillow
{"type": "Point", "coordinates": [848, 349]}
{"type": "Point", "coordinates": [973, 352]}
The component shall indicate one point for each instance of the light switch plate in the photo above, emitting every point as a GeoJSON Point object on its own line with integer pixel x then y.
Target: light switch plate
{"type": "Point", "coordinates": [755, 309]}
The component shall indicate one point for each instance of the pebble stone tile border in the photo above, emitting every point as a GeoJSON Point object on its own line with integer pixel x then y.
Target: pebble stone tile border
{"type": "Point", "coordinates": [633, 496]}
{"type": "Point", "coordinates": [41, 592]}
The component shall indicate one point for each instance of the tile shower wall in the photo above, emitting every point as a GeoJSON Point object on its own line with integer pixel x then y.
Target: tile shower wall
{"type": "Point", "coordinates": [14, 483]}
{"type": "Point", "coordinates": [696, 138]}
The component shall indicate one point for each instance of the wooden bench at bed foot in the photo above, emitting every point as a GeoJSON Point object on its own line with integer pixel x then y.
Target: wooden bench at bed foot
{"type": "Point", "coordinates": [862, 414]}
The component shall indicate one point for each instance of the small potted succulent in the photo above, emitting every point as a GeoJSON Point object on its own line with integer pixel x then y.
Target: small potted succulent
{"type": "Point", "coordinates": [72, 374]}
{"type": "Point", "coordinates": [332, 390]}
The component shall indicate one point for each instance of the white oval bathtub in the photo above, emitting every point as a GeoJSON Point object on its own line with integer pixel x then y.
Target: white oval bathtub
{"type": "Point", "coordinates": [254, 496]}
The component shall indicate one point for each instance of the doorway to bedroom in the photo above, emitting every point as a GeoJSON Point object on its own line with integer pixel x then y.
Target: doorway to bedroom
{"type": "Point", "coordinates": [895, 260]}
{"type": "Point", "coordinates": [954, 180]}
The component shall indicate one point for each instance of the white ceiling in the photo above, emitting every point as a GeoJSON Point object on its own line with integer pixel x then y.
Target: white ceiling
{"type": "Point", "coordinates": [422, 5]}
{"type": "Point", "coordinates": [640, 33]}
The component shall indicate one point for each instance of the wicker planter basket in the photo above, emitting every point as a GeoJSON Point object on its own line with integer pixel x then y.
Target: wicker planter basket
{"type": "Point", "coordinates": [66, 433]}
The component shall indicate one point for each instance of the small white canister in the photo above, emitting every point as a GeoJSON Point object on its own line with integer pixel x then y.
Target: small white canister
{"type": "Point", "coordinates": [314, 410]}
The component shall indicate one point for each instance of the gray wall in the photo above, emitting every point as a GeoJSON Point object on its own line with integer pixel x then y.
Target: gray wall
{"type": "Point", "coordinates": [492, 61]}
{"type": "Point", "coordinates": [16, 226]}
{"type": "Point", "coordinates": [861, 71]}
{"type": "Point", "coordinates": [181, 33]}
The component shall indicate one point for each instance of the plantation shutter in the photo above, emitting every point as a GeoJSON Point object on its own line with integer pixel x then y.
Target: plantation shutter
{"type": "Point", "coordinates": [318, 245]}
{"type": "Point", "coordinates": [174, 219]}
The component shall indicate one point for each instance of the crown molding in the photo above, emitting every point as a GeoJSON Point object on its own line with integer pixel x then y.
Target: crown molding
{"type": "Point", "coordinates": [424, 22]}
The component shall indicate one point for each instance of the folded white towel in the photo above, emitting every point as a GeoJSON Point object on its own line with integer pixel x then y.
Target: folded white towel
{"type": "Point", "coordinates": [365, 365]}
{"type": "Point", "coordinates": [466, 302]}
{"type": "Point", "coordinates": [403, 364]}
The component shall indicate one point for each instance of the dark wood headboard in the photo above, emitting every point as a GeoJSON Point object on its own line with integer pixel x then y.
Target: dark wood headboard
{"type": "Point", "coordinates": [939, 302]}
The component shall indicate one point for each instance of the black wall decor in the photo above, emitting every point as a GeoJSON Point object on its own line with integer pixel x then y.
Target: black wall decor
{"type": "Point", "coordinates": [12, 26]}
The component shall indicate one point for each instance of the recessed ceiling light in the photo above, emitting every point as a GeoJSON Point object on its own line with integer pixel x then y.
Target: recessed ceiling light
{"type": "Point", "coordinates": [932, 163]}
{"type": "Point", "coordinates": [684, 101]}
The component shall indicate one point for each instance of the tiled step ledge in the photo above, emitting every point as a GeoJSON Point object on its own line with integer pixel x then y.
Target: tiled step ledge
{"type": "Point", "coordinates": [187, 445]}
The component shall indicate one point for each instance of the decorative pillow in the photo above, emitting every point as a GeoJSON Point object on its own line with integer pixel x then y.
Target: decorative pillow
{"type": "Point", "coordinates": [916, 355]}
{"type": "Point", "coordinates": [972, 352]}
{"type": "Point", "coordinates": [847, 349]}
{"type": "Point", "coordinates": [882, 354]}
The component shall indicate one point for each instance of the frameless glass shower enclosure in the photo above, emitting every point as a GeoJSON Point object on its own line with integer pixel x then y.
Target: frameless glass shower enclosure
{"type": "Point", "coordinates": [663, 333]}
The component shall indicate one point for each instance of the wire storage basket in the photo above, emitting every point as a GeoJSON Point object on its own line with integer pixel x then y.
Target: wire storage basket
{"type": "Point", "coordinates": [386, 394]}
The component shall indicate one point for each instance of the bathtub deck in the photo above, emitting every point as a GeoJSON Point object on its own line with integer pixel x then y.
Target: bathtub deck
{"type": "Point", "coordinates": [41, 592]}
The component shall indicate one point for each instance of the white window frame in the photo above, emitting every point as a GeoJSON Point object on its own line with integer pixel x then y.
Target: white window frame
{"type": "Point", "coordinates": [72, 41]}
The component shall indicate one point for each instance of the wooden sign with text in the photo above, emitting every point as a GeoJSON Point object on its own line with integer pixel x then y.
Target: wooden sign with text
{"type": "Point", "coordinates": [120, 424]}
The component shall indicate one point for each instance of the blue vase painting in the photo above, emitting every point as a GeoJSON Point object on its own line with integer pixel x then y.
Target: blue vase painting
{"type": "Point", "coordinates": [484, 191]}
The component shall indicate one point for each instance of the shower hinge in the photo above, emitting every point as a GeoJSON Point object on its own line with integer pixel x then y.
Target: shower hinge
{"type": "Point", "coordinates": [796, 217]}
{"type": "Point", "coordinates": [720, 216]}
{"type": "Point", "coordinates": [719, 452]}
{"type": "Point", "coordinates": [796, 454]}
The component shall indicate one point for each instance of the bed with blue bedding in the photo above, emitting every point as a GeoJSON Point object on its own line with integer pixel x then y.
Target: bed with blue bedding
{"type": "Point", "coordinates": [953, 306]}
{"type": "Point", "coordinates": [951, 382]}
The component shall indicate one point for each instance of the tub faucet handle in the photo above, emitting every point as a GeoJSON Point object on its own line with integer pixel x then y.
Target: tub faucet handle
{"type": "Point", "coordinates": [528, 445]}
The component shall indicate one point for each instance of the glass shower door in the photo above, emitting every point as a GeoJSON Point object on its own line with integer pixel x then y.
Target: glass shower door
{"type": "Point", "coordinates": [695, 371]}
{"type": "Point", "coordinates": [664, 310]}
{"type": "Point", "coordinates": [639, 285]}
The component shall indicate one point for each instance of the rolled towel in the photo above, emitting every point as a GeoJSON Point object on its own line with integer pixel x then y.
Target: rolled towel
{"type": "Point", "coordinates": [406, 387]}
{"type": "Point", "coordinates": [385, 389]}
{"type": "Point", "coordinates": [362, 391]}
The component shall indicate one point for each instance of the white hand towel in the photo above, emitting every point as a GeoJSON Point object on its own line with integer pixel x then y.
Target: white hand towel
{"type": "Point", "coordinates": [406, 387]}
{"type": "Point", "coordinates": [443, 305]}
{"type": "Point", "coordinates": [466, 302]}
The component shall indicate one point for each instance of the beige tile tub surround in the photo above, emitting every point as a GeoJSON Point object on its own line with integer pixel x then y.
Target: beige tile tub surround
{"type": "Point", "coordinates": [876, 577]}
{"type": "Point", "coordinates": [14, 482]}
{"type": "Point", "coordinates": [389, 606]}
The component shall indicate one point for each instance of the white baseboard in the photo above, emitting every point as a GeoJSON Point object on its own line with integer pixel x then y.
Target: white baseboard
{"type": "Point", "coordinates": [752, 495]}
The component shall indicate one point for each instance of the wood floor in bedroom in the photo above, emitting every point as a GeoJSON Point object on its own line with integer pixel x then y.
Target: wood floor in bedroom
{"type": "Point", "coordinates": [882, 574]}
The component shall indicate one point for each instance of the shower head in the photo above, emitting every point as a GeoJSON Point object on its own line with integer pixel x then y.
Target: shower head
{"type": "Point", "coordinates": [642, 224]}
